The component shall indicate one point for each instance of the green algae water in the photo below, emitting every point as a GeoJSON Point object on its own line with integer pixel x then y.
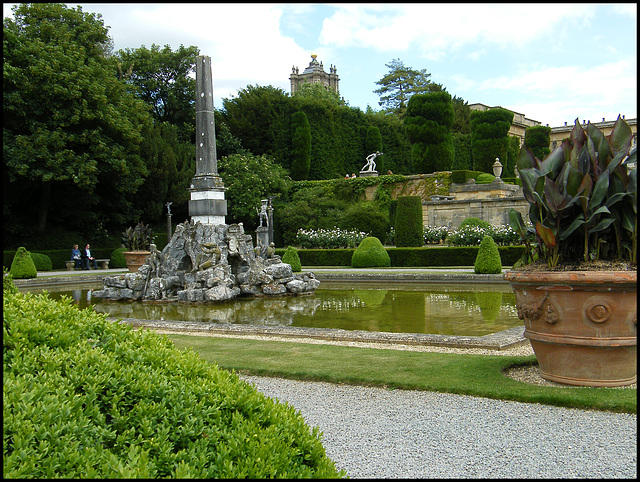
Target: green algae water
{"type": "Point", "coordinates": [428, 308]}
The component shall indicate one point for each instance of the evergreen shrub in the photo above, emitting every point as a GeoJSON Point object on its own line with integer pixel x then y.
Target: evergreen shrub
{"type": "Point", "coordinates": [488, 259]}
{"type": "Point", "coordinates": [291, 257]}
{"type": "Point", "coordinates": [117, 259]}
{"type": "Point", "coordinates": [408, 227]}
{"type": "Point", "coordinates": [485, 178]}
{"type": "Point", "coordinates": [88, 398]}
{"type": "Point", "coordinates": [22, 266]}
{"type": "Point", "coordinates": [370, 254]}
{"type": "Point", "coordinates": [42, 262]}
{"type": "Point", "coordinates": [475, 222]}
{"type": "Point", "coordinates": [366, 217]}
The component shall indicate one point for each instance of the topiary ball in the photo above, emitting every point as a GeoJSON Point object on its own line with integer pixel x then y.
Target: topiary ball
{"type": "Point", "coordinates": [488, 259]}
{"type": "Point", "coordinates": [117, 259]}
{"type": "Point", "coordinates": [22, 266]}
{"type": "Point", "coordinates": [291, 257]}
{"type": "Point", "coordinates": [370, 254]}
{"type": "Point", "coordinates": [42, 262]}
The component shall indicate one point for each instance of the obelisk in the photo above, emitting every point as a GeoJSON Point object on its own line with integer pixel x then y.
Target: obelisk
{"type": "Point", "coordinates": [207, 204]}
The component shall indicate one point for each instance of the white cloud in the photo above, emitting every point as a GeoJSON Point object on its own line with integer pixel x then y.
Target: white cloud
{"type": "Point", "coordinates": [435, 28]}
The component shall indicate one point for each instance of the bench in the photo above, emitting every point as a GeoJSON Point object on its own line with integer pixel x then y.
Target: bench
{"type": "Point", "coordinates": [104, 264]}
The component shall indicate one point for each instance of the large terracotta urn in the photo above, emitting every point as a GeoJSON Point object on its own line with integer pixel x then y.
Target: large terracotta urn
{"type": "Point", "coordinates": [582, 325]}
{"type": "Point", "coordinates": [135, 259]}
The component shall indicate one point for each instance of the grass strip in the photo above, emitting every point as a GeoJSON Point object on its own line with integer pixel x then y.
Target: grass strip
{"type": "Point", "coordinates": [476, 375]}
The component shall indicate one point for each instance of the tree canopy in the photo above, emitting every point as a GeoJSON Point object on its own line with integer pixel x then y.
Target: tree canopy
{"type": "Point", "coordinates": [400, 83]}
{"type": "Point", "coordinates": [71, 130]}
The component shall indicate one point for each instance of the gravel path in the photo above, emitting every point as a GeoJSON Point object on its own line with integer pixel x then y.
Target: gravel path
{"type": "Point", "coordinates": [381, 433]}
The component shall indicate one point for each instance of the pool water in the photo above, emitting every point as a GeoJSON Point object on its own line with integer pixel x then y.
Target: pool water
{"type": "Point", "coordinates": [427, 308]}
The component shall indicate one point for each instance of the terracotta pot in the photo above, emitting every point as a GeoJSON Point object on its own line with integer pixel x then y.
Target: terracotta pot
{"type": "Point", "coordinates": [135, 259]}
{"type": "Point", "coordinates": [582, 325]}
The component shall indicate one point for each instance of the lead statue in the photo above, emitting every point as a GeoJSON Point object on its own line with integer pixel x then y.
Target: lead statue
{"type": "Point", "coordinates": [370, 166]}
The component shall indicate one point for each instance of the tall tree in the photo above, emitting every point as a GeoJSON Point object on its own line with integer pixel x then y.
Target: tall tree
{"type": "Point", "coordinates": [537, 139]}
{"type": "Point", "coordinates": [428, 121]}
{"type": "Point", "coordinates": [489, 137]}
{"type": "Point", "coordinates": [400, 84]}
{"type": "Point", "coordinates": [259, 116]}
{"type": "Point", "coordinates": [163, 79]}
{"type": "Point", "coordinates": [71, 130]}
{"type": "Point", "coordinates": [301, 142]}
{"type": "Point", "coordinates": [373, 144]}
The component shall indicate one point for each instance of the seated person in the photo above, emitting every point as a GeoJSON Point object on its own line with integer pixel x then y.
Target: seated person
{"type": "Point", "coordinates": [76, 256]}
{"type": "Point", "coordinates": [88, 259]}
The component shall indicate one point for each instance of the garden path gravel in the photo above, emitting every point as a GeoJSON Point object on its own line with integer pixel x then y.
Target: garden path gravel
{"type": "Point", "coordinates": [380, 433]}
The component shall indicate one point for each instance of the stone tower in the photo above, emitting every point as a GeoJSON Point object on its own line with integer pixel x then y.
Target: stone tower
{"type": "Point", "coordinates": [207, 204]}
{"type": "Point", "coordinates": [314, 74]}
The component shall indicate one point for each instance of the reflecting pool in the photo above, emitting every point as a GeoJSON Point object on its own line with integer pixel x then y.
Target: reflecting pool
{"type": "Point", "coordinates": [429, 308]}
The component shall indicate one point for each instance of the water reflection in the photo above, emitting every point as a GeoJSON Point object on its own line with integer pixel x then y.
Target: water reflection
{"type": "Point", "coordinates": [436, 308]}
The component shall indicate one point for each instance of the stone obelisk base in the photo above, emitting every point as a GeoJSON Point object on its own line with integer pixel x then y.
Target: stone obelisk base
{"type": "Point", "coordinates": [262, 236]}
{"type": "Point", "coordinates": [207, 204]}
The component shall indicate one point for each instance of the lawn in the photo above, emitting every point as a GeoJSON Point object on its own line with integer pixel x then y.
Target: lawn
{"type": "Point", "coordinates": [476, 375]}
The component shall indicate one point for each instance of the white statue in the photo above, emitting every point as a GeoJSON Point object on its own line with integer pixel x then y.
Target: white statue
{"type": "Point", "coordinates": [370, 166]}
{"type": "Point", "coordinates": [262, 213]}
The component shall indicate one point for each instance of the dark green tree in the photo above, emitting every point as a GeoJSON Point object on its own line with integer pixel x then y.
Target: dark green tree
{"type": "Point", "coordinates": [428, 122]}
{"type": "Point", "coordinates": [373, 143]}
{"type": "Point", "coordinates": [318, 91]}
{"type": "Point", "coordinates": [399, 84]}
{"type": "Point", "coordinates": [248, 179]}
{"type": "Point", "coordinates": [537, 139]}
{"type": "Point", "coordinates": [71, 131]}
{"type": "Point", "coordinates": [301, 146]}
{"type": "Point", "coordinates": [260, 118]}
{"type": "Point", "coordinates": [164, 80]}
{"type": "Point", "coordinates": [461, 119]}
{"type": "Point", "coordinates": [462, 151]}
{"type": "Point", "coordinates": [408, 227]}
{"type": "Point", "coordinates": [489, 137]}
{"type": "Point", "coordinates": [509, 169]}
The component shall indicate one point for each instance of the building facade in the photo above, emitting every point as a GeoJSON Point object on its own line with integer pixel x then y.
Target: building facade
{"type": "Point", "coordinates": [314, 74]}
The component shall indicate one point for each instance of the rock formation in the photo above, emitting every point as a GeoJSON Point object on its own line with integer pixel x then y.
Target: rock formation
{"type": "Point", "coordinates": [208, 262]}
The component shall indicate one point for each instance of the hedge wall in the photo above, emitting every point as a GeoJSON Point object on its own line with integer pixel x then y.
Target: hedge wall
{"type": "Point", "coordinates": [408, 257]}
{"type": "Point", "coordinates": [58, 256]}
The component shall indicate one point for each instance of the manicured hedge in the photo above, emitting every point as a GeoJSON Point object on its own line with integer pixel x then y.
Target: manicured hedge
{"type": "Point", "coordinates": [89, 398]}
{"type": "Point", "coordinates": [409, 257]}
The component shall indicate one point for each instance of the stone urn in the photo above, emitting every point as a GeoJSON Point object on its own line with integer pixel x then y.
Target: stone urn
{"type": "Point", "coordinates": [135, 259]}
{"type": "Point", "coordinates": [582, 325]}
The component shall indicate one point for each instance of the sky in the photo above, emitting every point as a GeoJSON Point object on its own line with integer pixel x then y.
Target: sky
{"type": "Point", "coordinates": [552, 62]}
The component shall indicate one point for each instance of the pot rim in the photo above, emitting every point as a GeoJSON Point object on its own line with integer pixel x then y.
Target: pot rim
{"type": "Point", "coordinates": [572, 277]}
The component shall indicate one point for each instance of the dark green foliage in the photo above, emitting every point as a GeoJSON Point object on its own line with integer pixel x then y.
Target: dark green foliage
{"type": "Point", "coordinates": [366, 217]}
{"type": "Point", "coordinates": [248, 179]}
{"type": "Point", "coordinates": [399, 85]}
{"type": "Point", "coordinates": [489, 137]}
{"type": "Point", "coordinates": [462, 151]}
{"type": "Point", "coordinates": [509, 167]}
{"type": "Point", "coordinates": [462, 112]}
{"type": "Point", "coordinates": [291, 257]}
{"type": "Point", "coordinates": [71, 129]}
{"type": "Point", "coordinates": [475, 222]}
{"type": "Point", "coordinates": [488, 259]}
{"type": "Point", "coordinates": [108, 401]}
{"type": "Point", "coordinates": [370, 254]}
{"type": "Point", "coordinates": [537, 140]}
{"type": "Point", "coordinates": [408, 225]}
{"type": "Point", "coordinates": [22, 266]}
{"type": "Point", "coordinates": [374, 144]}
{"type": "Point", "coordinates": [407, 257]}
{"type": "Point", "coordinates": [42, 262]}
{"type": "Point", "coordinates": [138, 237]}
{"type": "Point", "coordinates": [301, 146]}
{"type": "Point", "coordinates": [8, 286]}
{"type": "Point", "coordinates": [428, 122]}
{"type": "Point", "coordinates": [117, 258]}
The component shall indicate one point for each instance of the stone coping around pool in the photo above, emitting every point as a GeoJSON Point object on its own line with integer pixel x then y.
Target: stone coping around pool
{"type": "Point", "coordinates": [495, 341]}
